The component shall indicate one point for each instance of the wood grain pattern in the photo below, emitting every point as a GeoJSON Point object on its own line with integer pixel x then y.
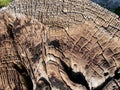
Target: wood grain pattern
{"type": "Point", "coordinates": [72, 45]}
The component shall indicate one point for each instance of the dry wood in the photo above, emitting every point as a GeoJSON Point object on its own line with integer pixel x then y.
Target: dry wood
{"type": "Point", "coordinates": [73, 45]}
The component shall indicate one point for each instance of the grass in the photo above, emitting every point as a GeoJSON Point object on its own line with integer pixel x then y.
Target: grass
{"type": "Point", "coordinates": [4, 3]}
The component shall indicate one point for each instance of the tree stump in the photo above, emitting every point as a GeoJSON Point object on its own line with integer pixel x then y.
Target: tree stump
{"type": "Point", "coordinates": [73, 47]}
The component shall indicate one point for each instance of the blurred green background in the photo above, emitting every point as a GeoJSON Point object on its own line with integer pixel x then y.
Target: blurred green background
{"type": "Point", "coordinates": [117, 11]}
{"type": "Point", "coordinates": [4, 3]}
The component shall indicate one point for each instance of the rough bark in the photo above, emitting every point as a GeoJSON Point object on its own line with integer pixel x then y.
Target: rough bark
{"type": "Point", "coordinates": [77, 48]}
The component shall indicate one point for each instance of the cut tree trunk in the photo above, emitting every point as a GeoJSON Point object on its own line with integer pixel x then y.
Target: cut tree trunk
{"type": "Point", "coordinates": [73, 45]}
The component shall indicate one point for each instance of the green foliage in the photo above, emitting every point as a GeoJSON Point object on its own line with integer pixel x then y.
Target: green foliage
{"type": "Point", "coordinates": [4, 3]}
{"type": "Point", "coordinates": [117, 11]}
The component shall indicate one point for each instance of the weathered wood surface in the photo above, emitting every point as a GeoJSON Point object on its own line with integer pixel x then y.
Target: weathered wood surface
{"type": "Point", "coordinates": [76, 47]}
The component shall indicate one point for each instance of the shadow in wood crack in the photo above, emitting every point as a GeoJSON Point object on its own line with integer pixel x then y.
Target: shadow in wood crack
{"type": "Point", "coordinates": [58, 84]}
{"type": "Point", "coordinates": [109, 80]}
{"type": "Point", "coordinates": [55, 43]}
{"type": "Point", "coordinates": [25, 76]}
{"type": "Point", "coordinates": [76, 77]}
{"type": "Point", "coordinates": [43, 84]}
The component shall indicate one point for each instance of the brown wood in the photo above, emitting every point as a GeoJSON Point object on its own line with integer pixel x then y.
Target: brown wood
{"type": "Point", "coordinates": [73, 45]}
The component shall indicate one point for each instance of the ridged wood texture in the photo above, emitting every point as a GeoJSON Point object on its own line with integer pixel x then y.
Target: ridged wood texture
{"type": "Point", "coordinates": [76, 47]}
